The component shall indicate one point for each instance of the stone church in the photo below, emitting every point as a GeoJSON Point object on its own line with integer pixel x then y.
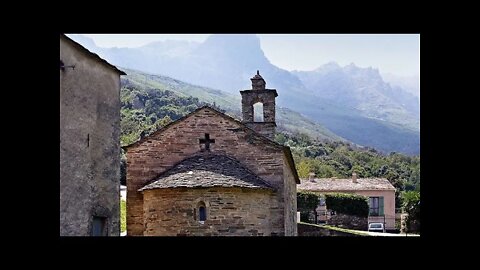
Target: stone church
{"type": "Point", "coordinates": [208, 174]}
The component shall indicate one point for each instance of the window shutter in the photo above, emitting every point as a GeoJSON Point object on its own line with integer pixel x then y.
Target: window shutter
{"type": "Point", "coordinates": [381, 206]}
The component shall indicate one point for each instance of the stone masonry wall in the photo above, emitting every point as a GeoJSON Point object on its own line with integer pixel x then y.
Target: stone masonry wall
{"type": "Point", "coordinates": [267, 129]}
{"type": "Point", "coordinates": [349, 222]}
{"type": "Point", "coordinates": [290, 201]}
{"type": "Point", "coordinates": [162, 150]}
{"type": "Point", "coordinates": [230, 212]}
{"type": "Point", "coordinates": [89, 143]}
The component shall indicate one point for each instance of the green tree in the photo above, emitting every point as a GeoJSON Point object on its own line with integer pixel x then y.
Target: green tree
{"type": "Point", "coordinates": [303, 169]}
{"type": "Point", "coordinates": [411, 205]}
{"type": "Point", "coordinates": [349, 204]}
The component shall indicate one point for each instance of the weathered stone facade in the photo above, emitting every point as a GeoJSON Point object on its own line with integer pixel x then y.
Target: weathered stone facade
{"type": "Point", "coordinates": [166, 208]}
{"type": "Point", "coordinates": [89, 141]}
{"type": "Point", "coordinates": [230, 211]}
{"type": "Point", "coordinates": [290, 199]}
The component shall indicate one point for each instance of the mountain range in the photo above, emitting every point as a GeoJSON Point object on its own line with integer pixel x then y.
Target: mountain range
{"type": "Point", "coordinates": [288, 121]}
{"type": "Point", "coordinates": [355, 103]}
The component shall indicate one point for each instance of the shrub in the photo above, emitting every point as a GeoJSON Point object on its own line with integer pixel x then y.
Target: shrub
{"type": "Point", "coordinates": [348, 204]}
{"type": "Point", "coordinates": [307, 201]}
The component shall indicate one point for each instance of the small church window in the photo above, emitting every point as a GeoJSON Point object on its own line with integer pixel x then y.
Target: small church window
{"type": "Point", "coordinates": [202, 213]}
{"type": "Point", "coordinates": [99, 226]}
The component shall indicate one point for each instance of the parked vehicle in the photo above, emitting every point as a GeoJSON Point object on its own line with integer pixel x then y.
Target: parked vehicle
{"type": "Point", "coordinates": [376, 227]}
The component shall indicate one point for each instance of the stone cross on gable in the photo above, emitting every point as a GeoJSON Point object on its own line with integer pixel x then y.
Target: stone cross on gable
{"type": "Point", "coordinates": [207, 141]}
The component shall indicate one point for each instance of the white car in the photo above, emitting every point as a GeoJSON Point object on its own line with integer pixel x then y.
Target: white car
{"type": "Point", "coordinates": [377, 227]}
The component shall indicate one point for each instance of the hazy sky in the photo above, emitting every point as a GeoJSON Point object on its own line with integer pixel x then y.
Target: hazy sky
{"type": "Point", "coordinates": [392, 53]}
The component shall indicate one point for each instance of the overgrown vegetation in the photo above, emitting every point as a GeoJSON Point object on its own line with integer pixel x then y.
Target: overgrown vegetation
{"type": "Point", "coordinates": [348, 204]}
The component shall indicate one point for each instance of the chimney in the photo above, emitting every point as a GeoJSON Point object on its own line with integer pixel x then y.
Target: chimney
{"type": "Point", "coordinates": [354, 177]}
{"type": "Point", "coordinates": [311, 177]}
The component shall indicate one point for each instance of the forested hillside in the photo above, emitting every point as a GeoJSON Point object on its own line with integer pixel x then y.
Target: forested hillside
{"type": "Point", "coordinates": [145, 110]}
{"type": "Point", "coordinates": [146, 84]}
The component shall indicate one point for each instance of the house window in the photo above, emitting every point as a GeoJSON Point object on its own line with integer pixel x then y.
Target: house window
{"type": "Point", "coordinates": [376, 206]}
{"type": "Point", "coordinates": [99, 227]}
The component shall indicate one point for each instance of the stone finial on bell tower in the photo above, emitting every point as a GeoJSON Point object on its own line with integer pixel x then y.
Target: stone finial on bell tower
{"type": "Point", "coordinates": [258, 83]}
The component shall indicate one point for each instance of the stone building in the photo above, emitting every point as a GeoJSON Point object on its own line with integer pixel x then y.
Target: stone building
{"type": "Point", "coordinates": [380, 193]}
{"type": "Point", "coordinates": [89, 142]}
{"type": "Point", "coordinates": [207, 174]}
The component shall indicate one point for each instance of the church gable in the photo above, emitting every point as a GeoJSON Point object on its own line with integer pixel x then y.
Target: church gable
{"type": "Point", "coordinates": [207, 130]}
{"type": "Point", "coordinates": [209, 112]}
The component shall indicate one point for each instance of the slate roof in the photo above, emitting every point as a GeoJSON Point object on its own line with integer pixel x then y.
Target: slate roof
{"type": "Point", "coordinates": [208, 170]}
{"type": "Point", "coordinates": [332, 184]}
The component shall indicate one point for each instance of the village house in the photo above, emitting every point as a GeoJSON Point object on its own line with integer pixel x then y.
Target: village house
{"type": "Point", "coordinates": [208, 174]}
{"type": "Point", "coordinates": [380, 193]}
{"type": "Point", "coordinates": [89, 143]}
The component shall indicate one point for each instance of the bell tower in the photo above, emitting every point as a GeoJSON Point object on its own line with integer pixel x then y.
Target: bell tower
{"type": "Point", "coordinates": [259, 94]}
